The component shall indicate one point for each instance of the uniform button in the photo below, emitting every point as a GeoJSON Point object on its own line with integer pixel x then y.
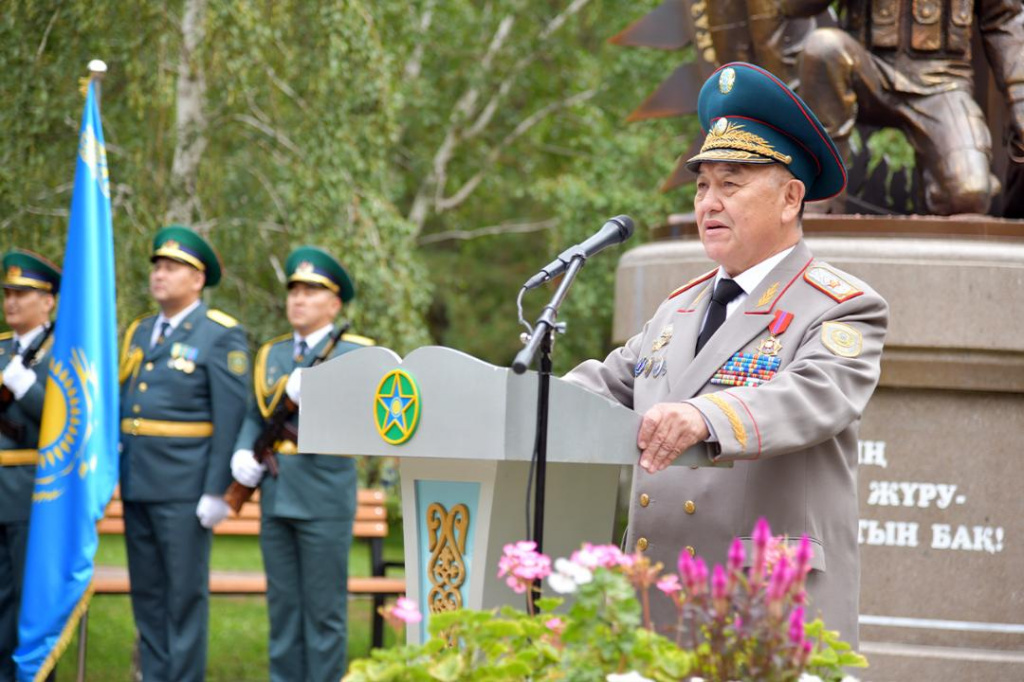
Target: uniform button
{"type": "Point", "coordinates": [689, 507]}
{"type": "Point", "coordinates": [645, 500]}
{"type": "Point", "coordinates": [136, 409]}
{"type": "Point", "coordinates": [691, 550]}
{"type": "Point", "coordinates": [149, 366]}
{"type": "Point", "coordinates": [143, 387]}
{"type": "Point", "coordinates": [641, 544]}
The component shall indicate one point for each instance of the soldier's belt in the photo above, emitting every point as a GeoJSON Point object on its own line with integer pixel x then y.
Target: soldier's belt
{"type": "Point", "coordinates": [286, 447]}
{"type": "Point", "coordinates": [166, 429]}
{"type": "Point", "coordinates": [18, 458]}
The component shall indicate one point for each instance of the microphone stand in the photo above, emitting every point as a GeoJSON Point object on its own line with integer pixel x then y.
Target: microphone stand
{"type": "Point", "coordinates": [542, 339]}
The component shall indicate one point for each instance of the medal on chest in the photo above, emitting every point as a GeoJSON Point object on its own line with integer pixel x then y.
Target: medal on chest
{"type": "Point", "coordinates": [654, 365]}
{"type": "Point", "coordinates": [183, 358]}
{"type": "Point", "coordinates": [754, 368]}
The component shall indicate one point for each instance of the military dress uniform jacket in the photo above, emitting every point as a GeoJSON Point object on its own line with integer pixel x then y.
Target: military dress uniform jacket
{"type": "Point", "coordinates": [18, 458]}
{"type": "Point", "coordinates": [182, 403]}
{"type": "Point", "coordinates": [792, 439]}
{"type": "Point", "coordinates": [307, 486]}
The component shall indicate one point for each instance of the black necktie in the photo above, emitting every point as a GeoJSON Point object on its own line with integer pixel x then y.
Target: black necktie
{"type": "Point", "coordinates": [725, 291]}
{"type": "Point", "coordinates": [301, 350]}
{"type": "Point", "coordinates": [165, 330]}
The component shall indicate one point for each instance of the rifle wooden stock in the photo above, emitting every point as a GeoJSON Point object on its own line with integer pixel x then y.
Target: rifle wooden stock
{"type": "Point", "coordinates": [278, 428]}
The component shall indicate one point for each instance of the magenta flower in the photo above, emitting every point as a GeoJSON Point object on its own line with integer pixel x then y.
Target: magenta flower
{"type": "Point", "coordinates": [762, 536]}
{"type": "Point", "coordinates": [782, 578]}
{"type": "Point", "coordinates": [804, 554]}
{"type": "Point", "coordinates": [406, 611]}
{"type": "Point", "coordinates": [796, 626]}
{"type": "Point", "coordinates": [736, 555]}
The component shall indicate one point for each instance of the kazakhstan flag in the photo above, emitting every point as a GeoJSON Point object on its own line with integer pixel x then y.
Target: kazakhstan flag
{"type": "Point", "coordinates": [77, 468]}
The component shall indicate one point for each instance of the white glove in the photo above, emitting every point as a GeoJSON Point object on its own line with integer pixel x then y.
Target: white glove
{"type": "Point", "coordinates": [294, 386]}
{"type": "Point", "coordinates": [246, 469]}
{"type": "Point", "coordinates": [211, 510]}
{"type": "Point", "coordinates": [18, 377]}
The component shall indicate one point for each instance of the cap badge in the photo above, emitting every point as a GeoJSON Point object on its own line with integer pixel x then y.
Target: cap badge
{"type": "Point", "coordinates": [305, 268]}
{"type": "Point", "coordinates": [171, 244]}
{"type": "Point", "coordinates": [721, 125]}
{"type": "Point", "coordinates": [13, 272]}
{"type": "Point", "coordinates": [726, 80]}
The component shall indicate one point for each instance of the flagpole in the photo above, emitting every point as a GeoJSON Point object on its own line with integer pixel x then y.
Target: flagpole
{"type": "Point", "coordinates": [97, 69]}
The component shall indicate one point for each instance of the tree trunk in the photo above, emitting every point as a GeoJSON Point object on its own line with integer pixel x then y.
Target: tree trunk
{"type": "Point", "coordinates": [184, 206]}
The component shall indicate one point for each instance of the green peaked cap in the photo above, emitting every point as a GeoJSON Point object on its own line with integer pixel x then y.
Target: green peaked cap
{"type": "Point", "coordinates": [181, 244]}
{"type": "Point", "coordinates": [315, 266]}
{"type": "Point", "coordinates": [750, 116]}
{"type": "Point", "coordinates": [26, 270]}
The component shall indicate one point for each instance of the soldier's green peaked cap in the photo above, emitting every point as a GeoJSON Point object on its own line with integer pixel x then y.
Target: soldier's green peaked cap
{"type": "Point", "coordinates": [750, 116]}
{"type": "Point", "coordinates": [179, 243]}
{"type": "Point", "coordinates": [26, 270]}
{"type": "Point", "coordinates": [315, 266]}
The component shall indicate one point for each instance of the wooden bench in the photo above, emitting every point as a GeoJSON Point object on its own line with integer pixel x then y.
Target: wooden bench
{"type": "Point", "coordinates": [370, 524]}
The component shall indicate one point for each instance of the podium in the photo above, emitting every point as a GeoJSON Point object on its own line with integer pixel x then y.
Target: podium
{"type": "Point", "coordinates": [464, 433]}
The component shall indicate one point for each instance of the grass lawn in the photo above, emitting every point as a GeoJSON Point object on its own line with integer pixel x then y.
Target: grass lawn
{"type": "Point", "coordinates": [238, 625]}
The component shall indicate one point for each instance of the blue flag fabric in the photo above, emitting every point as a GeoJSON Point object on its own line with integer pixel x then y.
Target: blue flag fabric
{"type": "Point", "coordinates": [78, 459]}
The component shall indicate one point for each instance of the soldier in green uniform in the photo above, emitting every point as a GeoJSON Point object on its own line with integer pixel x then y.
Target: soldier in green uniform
{"type": "Point", "coordinates": [30, 289]}
{"type": "Point", "coordinates": [184, 387]}
{"type": "Point", "coordinates": [308, 509]}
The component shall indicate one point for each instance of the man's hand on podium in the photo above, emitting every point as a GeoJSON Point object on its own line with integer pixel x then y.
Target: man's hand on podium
{"type": "Point", "coordinates": [667, 430]}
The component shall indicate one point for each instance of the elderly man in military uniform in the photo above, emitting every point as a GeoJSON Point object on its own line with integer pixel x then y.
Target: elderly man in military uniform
{"type": "Point", "coordinates": [308, 508]}
{"type": "Point", "coordinates": [907, 63]}
{"type": "Point", "coordinates": [30, 289]}
{"type": "Point", "coordinates": [184, 386]}
{"type": "Point", "coordinates": [766, 362]}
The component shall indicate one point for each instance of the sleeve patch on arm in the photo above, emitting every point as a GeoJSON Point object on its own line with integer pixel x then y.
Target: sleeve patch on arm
{"type": "Point", "coordinates": [238, 362]}
{"type": "Point", "coordinates": [842, 339]}
{"type": "Point", "coordinates": [738, 430]}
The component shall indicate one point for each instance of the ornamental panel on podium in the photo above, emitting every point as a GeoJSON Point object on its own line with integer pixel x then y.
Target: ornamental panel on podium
{"type": "Point", "coordinates": [464, 433]}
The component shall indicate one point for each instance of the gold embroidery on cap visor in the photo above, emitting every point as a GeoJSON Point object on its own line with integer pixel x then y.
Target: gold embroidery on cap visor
{"type": "Point", "coordinates": [313, 278]}
{"type": "Point", "coordinates": [15, 278]}
{"type": "Point", "coordinates": [172, 249]}
{"type": "Point", "coordinates": [728, 141]}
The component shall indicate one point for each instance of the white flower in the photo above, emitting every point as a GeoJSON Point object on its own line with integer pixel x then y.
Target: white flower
{"type": "Point", "coordinates": [631, 676]}
{"type": "Point", "coordinates": [568, 576]}
{"type": "Point", "coordinates": [849, 678]}
{"type": "Point", "coordinates": [807, 677]}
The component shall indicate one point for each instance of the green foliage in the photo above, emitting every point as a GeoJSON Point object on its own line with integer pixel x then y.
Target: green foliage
{"type": "Point", "coordinates": [602, 635]}
{"type": "Point", "coordinates": [326, 123]}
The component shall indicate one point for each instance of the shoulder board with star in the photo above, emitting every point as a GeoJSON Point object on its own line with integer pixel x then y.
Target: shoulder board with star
{"type": "Point", "coordinates": [692, 283]}
{"type": "Point", "coordinates": [359, 340]}
{"type": "Point", "coordinates": [221, 318]}
{"type": "Point", "coordinates": [831, 283]}
{"type": "Point", "coordinates": [129, 333]}
{"type": "Point", "coordinates": [4, 336]}
{"type": "Point", "coordinates": [276, 340]}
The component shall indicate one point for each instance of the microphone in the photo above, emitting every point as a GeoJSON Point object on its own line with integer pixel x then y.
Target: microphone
{"type": "Point", "coordinates": [615, 231]}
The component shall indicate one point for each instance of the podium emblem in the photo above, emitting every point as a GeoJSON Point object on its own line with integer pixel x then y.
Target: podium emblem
{"type": "Point", "coordinates": [396, 407]}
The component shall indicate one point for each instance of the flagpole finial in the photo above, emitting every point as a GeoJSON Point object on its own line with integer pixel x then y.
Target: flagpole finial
{"type": "Point", "coordinates": [97, 68]}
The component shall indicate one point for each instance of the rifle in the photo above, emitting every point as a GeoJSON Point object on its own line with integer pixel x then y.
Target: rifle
{"type": "Point", "coordinates": [8, 427]}
{"type": "Point", "coordinates": [279, 427]}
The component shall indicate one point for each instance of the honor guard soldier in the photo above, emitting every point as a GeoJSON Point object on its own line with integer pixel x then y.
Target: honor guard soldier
{"type": "Point", "coordinates": [768, 360]}
{"type": "Point", "coordinates": [307, 510]}
{"type": "Point", "coordinates": [184, 388]}
{"type": "Point", "coordinates": [30, 288]}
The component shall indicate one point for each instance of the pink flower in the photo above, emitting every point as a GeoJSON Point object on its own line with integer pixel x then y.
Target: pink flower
{"type": "Point", "coordinates": [556, 625]}
{"type": "Point", "coordinates": [523, 564]}
{"type": "Point", "coordinates": [762, 536]}
{"type": "Point", "coordinates": [782, 578]}
{"type": "Point", "coordinates": [600, 556]}
{"type": "Point", "coordinates": [804, 554]}
{"type": "Point", "coordinates": [406, 611]}
{"type": "Point", "coordinates": [669, 584]}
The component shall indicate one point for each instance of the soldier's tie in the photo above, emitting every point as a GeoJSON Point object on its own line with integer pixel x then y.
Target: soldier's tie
{"type": "Point", "coordinates": [301, 350]}
{"type": "Point", "coordinates": [165, 330]}
{"type": "Point", "coordinates": [725, 291]}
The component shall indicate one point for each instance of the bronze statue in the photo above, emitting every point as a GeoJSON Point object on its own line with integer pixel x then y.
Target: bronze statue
{"type": "Point", "coordinates": [907, 64]}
